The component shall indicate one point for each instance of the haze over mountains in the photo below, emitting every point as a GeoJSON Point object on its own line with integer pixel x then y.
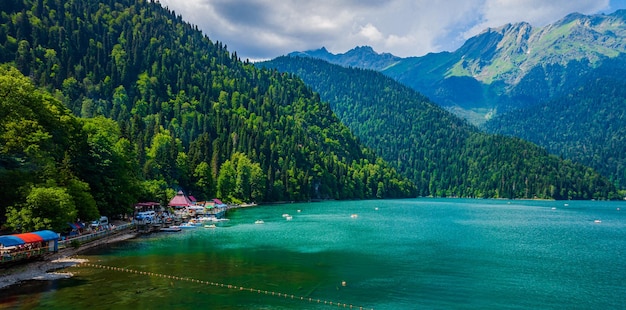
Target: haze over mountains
{"type": "Point", "coordinates": [559, 86]}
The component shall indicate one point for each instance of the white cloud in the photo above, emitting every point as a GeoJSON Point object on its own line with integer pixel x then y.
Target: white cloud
{"type": "Point", "coordinates": [370, 33]}
{"type": "Point", "coordinates": [261, 29]}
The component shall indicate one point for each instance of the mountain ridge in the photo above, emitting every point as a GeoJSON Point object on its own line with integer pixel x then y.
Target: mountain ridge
{"type": "Point", "coordinates": [498, 58]}
{"type": "Point", "coordinates": [507, 71]}
{"type": "Point", "coordinates": [359, 57]}
{"type": "Point", "coordinates": [443, 154]}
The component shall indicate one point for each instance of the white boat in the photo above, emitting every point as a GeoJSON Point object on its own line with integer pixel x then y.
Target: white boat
{"type": "Point", "coordinates": [187, 225]}
{"type": "Point", "coordinates": [285, 215]}
{"type": "Point", "coordinates": [354, 216]}
{"type": "Point", "coordinates": [195, 222]}
{"type": "Point", "coordinates": [289, 217]}
{"type": "Point", "coordinates": [205, 219]}
{"type": "Point", "coordinates": [209, 226]}
{"type": "Point", "coordinates": [597, 221]}
{"type": "Point", "coordinates": [259, 222]}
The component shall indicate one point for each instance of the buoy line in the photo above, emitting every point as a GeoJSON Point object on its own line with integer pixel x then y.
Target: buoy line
{"type": "Point", "coordinates": [229, 286]}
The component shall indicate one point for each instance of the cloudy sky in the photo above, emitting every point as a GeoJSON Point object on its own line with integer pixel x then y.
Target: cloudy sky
{"type": "Point", "coordinates": [264, 29]}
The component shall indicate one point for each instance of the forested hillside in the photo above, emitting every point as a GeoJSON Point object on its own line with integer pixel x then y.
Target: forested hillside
{"type": "Point", "coordinates": [442, 154]}
{"type": "Point", "coordinates": [586, 122]}
{"type": "Point", "coordinates": [159, 106]}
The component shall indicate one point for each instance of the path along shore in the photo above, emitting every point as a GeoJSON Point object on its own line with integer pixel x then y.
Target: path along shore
{"type": "Point", "coordinates": [44, 270]}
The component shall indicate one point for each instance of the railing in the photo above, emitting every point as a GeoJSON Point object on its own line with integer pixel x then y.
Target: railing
{"type": "Point", "coordinates": [96, 235]}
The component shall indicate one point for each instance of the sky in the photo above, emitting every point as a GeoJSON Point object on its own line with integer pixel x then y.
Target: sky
{"type": "Point", "coordinates": [265, 29]}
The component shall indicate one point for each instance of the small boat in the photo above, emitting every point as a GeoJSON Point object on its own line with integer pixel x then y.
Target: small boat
{"type": "Point", "coordinates": [170, 229]}
{"type": "Point", "coordinates": [259, 222]}
{"type": "Point", "coordinates": [289, 217]}
{"type": "Point", "coordinates": [209, 226]}
{"type": "Point", "coordinates": [597, 221]}
{"type": "Point", "coordinates": [354, 216]}
{"type": "Point", "coordinates": [285, 215]}
{"type": "Point", "coordinates": [188, 225]}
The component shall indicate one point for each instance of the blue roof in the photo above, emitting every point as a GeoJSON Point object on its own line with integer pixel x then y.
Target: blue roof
{"type": "Point", "coordinates": [47, 235]}
{"type": "Point", "coordinates": [10, 240]}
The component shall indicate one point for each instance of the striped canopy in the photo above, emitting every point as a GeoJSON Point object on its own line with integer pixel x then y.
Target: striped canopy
{"type": "Point", "coordinates": [20, 239]}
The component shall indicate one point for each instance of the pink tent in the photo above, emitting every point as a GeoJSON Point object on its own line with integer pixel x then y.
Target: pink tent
{"type": "Point", "coordinates": [180, 200]}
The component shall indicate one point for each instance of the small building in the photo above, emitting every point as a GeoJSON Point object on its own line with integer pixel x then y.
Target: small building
{"type": "Point", "coordinates": [147, 206]}
{"type": "Point", "coordinates": [180, 201]}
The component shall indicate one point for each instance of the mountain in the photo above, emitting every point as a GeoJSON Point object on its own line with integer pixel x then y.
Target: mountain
{"type": "Point", "coordinates": [442, 154]}
{"type": "Point", "coordinates": [161, 107]}
{"type": "Point", "coordinates": [514, 73]}
{"type": "Point", "coordinates": [486, 73]}
{"type": "Point", "coordinates": [587, 124]}
{"type": "Point", "coordinates": [358, 57]}
{"type": "Point", "coordinates": [481, 78]}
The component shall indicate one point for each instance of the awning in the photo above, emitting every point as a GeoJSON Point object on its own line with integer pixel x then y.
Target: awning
{"type": "Point", "coordinates": [10, 240]}
{"type": "Point", "coordinates": [47, 235]}
{"type": "Point", "coordinates": [76, 225]}
{"type": "Point", "coordinates": [29, 237]}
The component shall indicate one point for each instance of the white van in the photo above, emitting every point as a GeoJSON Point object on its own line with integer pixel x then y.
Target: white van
{"type": "Point", "coordinates": [102, 222]}
{"type": "Point", "coordinates": [147, 216]}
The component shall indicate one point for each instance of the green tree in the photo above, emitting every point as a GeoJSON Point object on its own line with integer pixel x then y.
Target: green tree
{"type": "Point", "coordinates": [226, 181]}
{"type": "Point", "coordinates": [45, 208]}
{"type": "Point", "coordinates": [204, 184]}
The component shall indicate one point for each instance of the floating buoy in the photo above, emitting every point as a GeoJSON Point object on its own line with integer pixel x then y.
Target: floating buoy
{"type": "Point", "coordinates": [230, 286]}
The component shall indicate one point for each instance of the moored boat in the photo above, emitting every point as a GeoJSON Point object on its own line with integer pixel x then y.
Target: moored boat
{"type": "Point", "coordinates": [170, 229]}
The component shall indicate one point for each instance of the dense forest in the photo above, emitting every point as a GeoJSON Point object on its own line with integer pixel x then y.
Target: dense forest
{"type": "Point", "coordinates": [585, 119]}
{"type": "Point", "coordinates": [107, 103]}
{"type": "Point", "coordinates": [442, 154]}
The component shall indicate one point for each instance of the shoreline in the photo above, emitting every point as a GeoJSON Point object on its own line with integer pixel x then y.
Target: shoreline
{"type": "Point", "coordinates": [46, 269]}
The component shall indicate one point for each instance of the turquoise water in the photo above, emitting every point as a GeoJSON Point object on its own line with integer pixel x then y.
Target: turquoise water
{"type": "Point", "coordinates": [395, 254]}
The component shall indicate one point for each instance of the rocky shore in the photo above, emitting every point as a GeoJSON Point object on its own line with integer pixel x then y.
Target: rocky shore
{"type": "Point", "coordinates": [47, 269]}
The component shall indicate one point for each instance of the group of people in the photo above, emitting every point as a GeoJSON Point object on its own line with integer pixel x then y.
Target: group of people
{"type": "Point", "coordinates": [21, 251]}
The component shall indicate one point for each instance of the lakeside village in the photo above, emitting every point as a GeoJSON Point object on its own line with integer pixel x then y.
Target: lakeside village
{"type": "Point", "coordinates": [182, 212]}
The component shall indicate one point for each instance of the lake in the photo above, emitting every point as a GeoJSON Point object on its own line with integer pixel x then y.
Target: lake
{"type": "Point", "coordinates": [377, 254]}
